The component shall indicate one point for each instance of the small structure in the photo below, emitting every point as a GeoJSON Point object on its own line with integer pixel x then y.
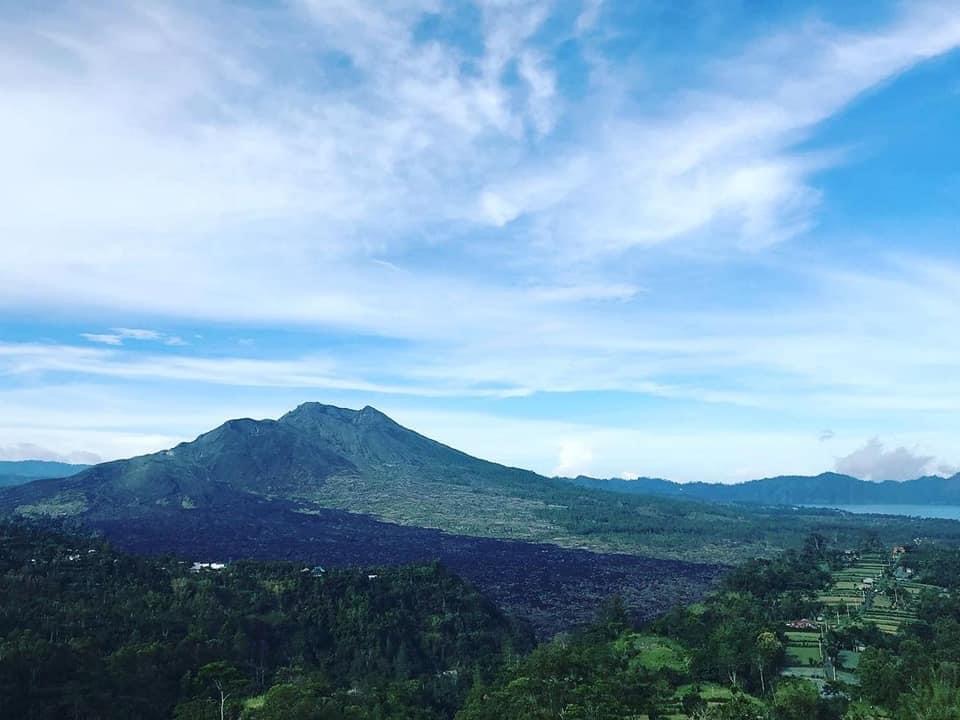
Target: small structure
{"type": "Point", "coordinates": [213, 566]}
{"type": "Point", "coordinates": [802, 624]}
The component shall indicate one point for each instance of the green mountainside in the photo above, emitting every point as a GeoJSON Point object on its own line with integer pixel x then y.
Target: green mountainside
{"type": "Point", "coordinates": [318, 456]}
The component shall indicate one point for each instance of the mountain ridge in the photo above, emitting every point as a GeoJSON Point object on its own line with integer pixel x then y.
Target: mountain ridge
{"type": "Point", "coordinates": [827, 488]}
{"type": "Point", "coordinates": [17, 472]}
{"type": "Point", "coordinates": [321, 457]}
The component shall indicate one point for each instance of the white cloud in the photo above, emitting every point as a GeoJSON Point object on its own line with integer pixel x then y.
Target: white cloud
{"type": "Point", "coordinates": [200, 162]}
{"type": "Point", "coordinates": [103, 338]}
{"type": "Point", "coordinates": [311, 372]}
{"type": "Point", "coordinates": [862, 343]}
{"type": "Point", "coordinates": [117, 335]}
{"type": "Point", "coordinates": [720, 162]}
{"type": "Point", "coordinates": [874, 462]}
{"type": "Point", "coordinates": [31, 451]}
{"type": "Point", "coordinates": [681, 451]}
{"type": "Point", "coordinates": [589, 13]}
{"type": "Point", "coordinates": [575, 457]}
{"type": "Point", "coordinates": [266, 173]}
{"type": "Point", "coordinates": [138, 333]}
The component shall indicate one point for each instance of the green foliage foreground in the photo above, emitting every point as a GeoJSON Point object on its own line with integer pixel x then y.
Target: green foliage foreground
{"type": "Point", "coordinates": [90, 634]}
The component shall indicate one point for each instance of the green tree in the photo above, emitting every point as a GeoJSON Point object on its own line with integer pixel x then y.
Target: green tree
{"type": "Point", "coordinates": [297, 702]}
{"type": "Point", "coordinates": [795, 700]}
{"type": "Point", "coordinates": [862, 711]}
{"type": "Point", "coordinates": [739, 707]}
{"type": "Point", "coordinates": [769, 650]}
{"type": "Point", "coordinates": [224, 680]}
{"type": "Point", "coordinates": [937, 699]}
{"type": "Point", "coordinates": [880, 680]}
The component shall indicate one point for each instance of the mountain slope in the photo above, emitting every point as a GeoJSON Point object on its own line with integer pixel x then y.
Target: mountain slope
{"type": "Point", "coordinates": [823, 489]}
{"type": "Point", "coordinates": [359, 460]}
{"type": "Point", "coordinates": [278, 489]}
{"type": "Point", "coordinates": [319, 457]}
{"type": "Point", "coordinates": [262, 457]}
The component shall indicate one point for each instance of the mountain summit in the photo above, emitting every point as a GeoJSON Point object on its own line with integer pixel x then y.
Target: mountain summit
{"type": "Point", "coordinates": [316, 453]}
{"type": "Point", "coordinates": [253, 478]}
{"type": "Point", "coordinates": [308, 487]}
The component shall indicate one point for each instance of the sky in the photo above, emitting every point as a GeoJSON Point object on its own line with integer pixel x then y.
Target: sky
{"type": "Point", "coordinates": [706, 240]}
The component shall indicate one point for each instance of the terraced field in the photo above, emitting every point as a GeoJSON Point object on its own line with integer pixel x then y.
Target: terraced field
{"type": "Point", "coordinates": [803, 649]}
{"type": "Point", "coordinates": [859, 591]}
{"type": "Point", "coordinates": [866, 591]}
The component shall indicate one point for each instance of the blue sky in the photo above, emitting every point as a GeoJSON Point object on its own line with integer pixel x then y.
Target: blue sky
{"type": "Point", "coordinates": [701, 240]}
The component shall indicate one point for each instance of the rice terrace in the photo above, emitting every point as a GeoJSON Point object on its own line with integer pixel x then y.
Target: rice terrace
{"type": "Point", "coordinates": [869, 589]}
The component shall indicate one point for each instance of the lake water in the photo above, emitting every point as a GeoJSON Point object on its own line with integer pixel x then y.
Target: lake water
{"type": "Point", "coordinates": [945, 512]}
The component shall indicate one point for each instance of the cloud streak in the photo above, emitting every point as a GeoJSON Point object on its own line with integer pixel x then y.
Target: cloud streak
{"type": "Point", "coordinates": [117, 335]}
{"type": "Point", "coordinates": [166, 175]}
{"type": "Point", "coordinates": [507, 343]}
{"type": "Point", "coordinates": [497, 207]}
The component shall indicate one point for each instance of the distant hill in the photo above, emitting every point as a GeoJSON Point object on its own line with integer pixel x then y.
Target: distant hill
{"type": "Point", "coordinates": [824, 489]}
{"type": "Point", "coordinates": [17, 472]}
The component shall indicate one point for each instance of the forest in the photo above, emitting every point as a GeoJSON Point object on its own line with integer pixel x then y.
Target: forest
{"type": "Point", "coordinates": [87, 632]}
{"type": "Point", "coordinates": [729, 657]}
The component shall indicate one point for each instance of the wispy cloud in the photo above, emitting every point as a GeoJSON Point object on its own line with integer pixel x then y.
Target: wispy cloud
{"type": "Point", "coordinates": [32, 451]}
{"type": "Point", "coordinates": [137, 333]}
{"type": "Point", "coordinates": [502, 343]}
{"type": "Point", "coordinates": [390, 174]}
{"type": "Point", "coordinates": [421, 141]}
{"type": "Point", "coordinates": [117, 335]}
{"type": "Point", "coordinates": [103, 338]}
{"type": "Point", "coordinates": [721, 164]}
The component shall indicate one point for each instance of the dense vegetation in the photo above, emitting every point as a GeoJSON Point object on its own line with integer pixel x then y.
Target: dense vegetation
{"type": "Point", "coordinates": [89, 633]}
{"type": "Point", "coordinates": [86, 633]}
{"type": "Point", "coordinates": [926, 653]}
{"type": "Point", "coordinates": [727, 658]}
